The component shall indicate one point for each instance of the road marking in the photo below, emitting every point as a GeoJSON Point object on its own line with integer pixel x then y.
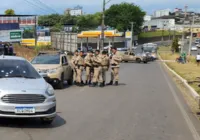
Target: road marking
{"type": "Point", "coordinates": [178, 102]}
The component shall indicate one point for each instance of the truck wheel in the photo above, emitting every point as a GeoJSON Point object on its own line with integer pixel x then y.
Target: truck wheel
{"type": "Point", "coordinates": [61, 83]}
{"type": "Point", "coordinates": [138, 60]}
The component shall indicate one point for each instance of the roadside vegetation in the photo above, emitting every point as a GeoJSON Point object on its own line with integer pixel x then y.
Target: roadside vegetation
{"type": "Point", "coordinates": [189, 71]}
{"type": "Point", "coordinates": [157, 34]}
{"type": "Point", "coordinates": [29, 53]}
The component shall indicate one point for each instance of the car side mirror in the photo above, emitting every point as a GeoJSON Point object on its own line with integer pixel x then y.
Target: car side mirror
{"type": "Point", "coordinates": [43, 75]}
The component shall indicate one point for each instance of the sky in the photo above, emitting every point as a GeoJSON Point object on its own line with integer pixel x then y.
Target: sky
{"type": "Point", "coordinates": [41, 7]}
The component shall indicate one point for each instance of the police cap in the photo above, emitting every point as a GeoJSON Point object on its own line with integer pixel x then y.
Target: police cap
{"type": "Point", "coordinates": [97, 51]}
{"type": "Point", "coordinates": [104, 52]}
{"type": "Point", "coordinates": [90, 51]}
{"type": "Point", "coordinates": [76, 51]}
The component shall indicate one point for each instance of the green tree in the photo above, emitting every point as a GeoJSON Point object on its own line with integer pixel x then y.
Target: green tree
{"type": "Point", "coordinates": [120, 16]}
{"type": "Point", "coordinates": [9, 12]}
{"type": "Point", "coordinates": [49, 20]}
{"type": "Point", "coordinates": [175, 45]}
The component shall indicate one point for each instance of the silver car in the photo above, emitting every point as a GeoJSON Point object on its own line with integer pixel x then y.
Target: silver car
{"type": "Point", "coordinates": [23, 92]}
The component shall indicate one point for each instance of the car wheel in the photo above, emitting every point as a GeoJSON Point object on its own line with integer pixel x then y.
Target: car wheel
{"type": "Point", "coordinates": [126, 61]}
{"type": "Point", "coordinates": [61, 83]}
{"type": "Point", "coordinates": [47, 121]}
{"type": "Point", "coordinates": [70, 81]}
{"type": "Point", "coordinates": [138, 60]}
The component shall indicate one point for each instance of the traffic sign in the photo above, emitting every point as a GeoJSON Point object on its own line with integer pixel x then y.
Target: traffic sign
{"type": "Point", "coordinates": [128, 35]}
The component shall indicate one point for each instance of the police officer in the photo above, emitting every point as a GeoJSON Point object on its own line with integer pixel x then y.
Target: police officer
{"type": "Point", "coordinates": [115, 61]}
{"type": "Point", "coordinates": [105, 65]}
{"type": "Point", "coordinates": [97, 76]}
{"type": "Point", "coordinates": [88, 67]}
{"type": "Point", "coordinates": [79, 62]}
{"type": "Point", "coordinates": [74, 66]}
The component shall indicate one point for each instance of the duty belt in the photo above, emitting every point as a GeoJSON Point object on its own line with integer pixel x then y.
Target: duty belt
{"type": "Point", "coordinates": [95, 66]}
{"type": "Point", "coordinates": [113, 64]}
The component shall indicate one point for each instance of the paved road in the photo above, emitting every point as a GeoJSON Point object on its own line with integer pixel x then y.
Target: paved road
{"type": "Point", "coordinates": [186, 48]}
{"type": "Point", "coordinates": [144, 107]}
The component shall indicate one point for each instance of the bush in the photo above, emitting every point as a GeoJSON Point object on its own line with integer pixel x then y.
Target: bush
{"type": "Point", "coordinates": [175, 45]}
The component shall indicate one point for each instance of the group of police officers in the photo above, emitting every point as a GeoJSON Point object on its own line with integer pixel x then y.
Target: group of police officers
{"type": "Point", "coordinates": [96, 65]}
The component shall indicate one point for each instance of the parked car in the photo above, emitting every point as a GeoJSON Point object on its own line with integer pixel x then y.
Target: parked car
{"type": "Point", "coordinates": [198, 45]}
{"type": "Point", "coordinates": [56, 66]}
{"type": "Point", "coordinates": [23, 91]}
{"type": "Point", "coordinates": [131, 56]}
{"type": "Point", "coordinates": [194, 48]}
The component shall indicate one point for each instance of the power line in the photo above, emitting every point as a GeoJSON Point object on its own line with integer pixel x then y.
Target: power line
{"type": "Point", "coordinates": [36, 6]}
{"type": "Point", "coordinates": [45, 5]}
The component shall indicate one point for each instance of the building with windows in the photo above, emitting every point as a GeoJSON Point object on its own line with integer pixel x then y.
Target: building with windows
{"type": "Point", "coordinates": [160, 24]}
{"type": "Point", "coordinates": [77, 11]}
{"type": "Point", "coordinates": [160, 13]}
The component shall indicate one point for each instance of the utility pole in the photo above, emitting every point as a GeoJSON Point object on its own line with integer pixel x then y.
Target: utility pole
{"type": "Point", "coordinates": [35, 31]}
{"type": "Point", "coordinates": [191, 36]}
{"type": "Point", "coordinates": [132, 35]}
{"type": "Point", "coordinates": [102, 25]}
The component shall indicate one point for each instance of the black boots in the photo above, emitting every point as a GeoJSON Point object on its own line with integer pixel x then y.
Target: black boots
{"type": "Point", "coordinates": [101, 85]}
{"type": "Point", "coordinates": [116, 83]}
{"type": "Point", "coordinates": [109, 84]}
{"type": "Point", "coordinates": [80, 84]}
{"type": "Point", "coordinates": [93, 85]}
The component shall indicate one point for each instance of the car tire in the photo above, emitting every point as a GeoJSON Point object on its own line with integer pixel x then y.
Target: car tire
{"type": "Point", "coordinates": [70, 81]}
{"type": "Point", "coordinates": [47, 121]}
{"type": "Point", "coordinates": [138, 60]}
{"type": "Point", "coordinates": [61, 83]}
{"type": "Point", "coordinates": [126, 61]}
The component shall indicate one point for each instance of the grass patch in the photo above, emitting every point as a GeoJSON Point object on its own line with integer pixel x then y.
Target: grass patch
{"type": "Point", "coordinates": [157, 34]}
{"type": "Point", "coordinates": [189, 71]}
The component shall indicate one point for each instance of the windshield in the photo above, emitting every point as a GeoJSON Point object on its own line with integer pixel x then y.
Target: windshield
{"type": "Point", "coordinates": [17, 68]}
{"type": "Point", "coordinates": [46, 59]}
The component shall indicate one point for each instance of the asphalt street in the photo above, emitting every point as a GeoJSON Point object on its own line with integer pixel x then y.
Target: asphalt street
{"type": "Point", "coordinates": [145, 106]}
{"type": "Point", "coordinates": [186, 48]}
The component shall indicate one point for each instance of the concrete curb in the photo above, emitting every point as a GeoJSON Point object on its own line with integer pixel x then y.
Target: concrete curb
{"type": "Point", "coordinates": [193, 93]}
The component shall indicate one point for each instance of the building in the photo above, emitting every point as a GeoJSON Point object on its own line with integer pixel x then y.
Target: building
{"type": "Point", "coordinates": [160, 13]}
{"type": "Point", "coordinates": [160, 23]}
{"type": "Point", "coordinates": [147, 18]}
{"type": "Point", "coordinates": [77, 11]}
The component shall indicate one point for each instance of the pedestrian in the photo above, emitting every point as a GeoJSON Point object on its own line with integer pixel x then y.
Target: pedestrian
{"type": "Point", "coordinates": [105, 66]}
{"type": "Point", "coordinates": [198, 59]}
{"type": "Point", "coordinates": [115, 61]}
{"type": "Point", "coordinates": [10, 50]}
{"type": "Point", "coordinates": [79, 63]}
{"type": "Point", "coordinates": [97, 76]}
{"type": "Point", "coordinates": [88, 67]}
{"type": "Point", "coordinates": [74, 66]}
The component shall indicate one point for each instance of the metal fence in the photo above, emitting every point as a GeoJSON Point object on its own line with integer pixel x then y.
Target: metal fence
{"type": "Point", "coordinates": [64, 41]}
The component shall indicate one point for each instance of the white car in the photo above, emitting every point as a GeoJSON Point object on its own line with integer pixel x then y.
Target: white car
{"type": "Point", "coordinates": [194, 48]}
{"type": "Point", "coordinates": [198, 45]}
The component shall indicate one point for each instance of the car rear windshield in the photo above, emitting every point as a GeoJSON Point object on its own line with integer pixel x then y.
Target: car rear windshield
{"type": "Point", "coordinates": [17, 68]}
{"type": "Point", "coordinates": [46, 59]}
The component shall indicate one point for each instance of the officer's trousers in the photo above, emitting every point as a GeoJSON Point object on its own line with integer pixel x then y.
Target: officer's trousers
{"type": "Point", "coordinates": [88, 74]}
{"type": "Point", "coordinates": [115, 74]}
{"type": "Point", "coordinates": [79, 74]}
{"type": "Point", "coordinates": [104, 70]}
{"type": "Point", "coordinates": [97, 76]}
{"type": "Point", "coordinates": [74, 74]}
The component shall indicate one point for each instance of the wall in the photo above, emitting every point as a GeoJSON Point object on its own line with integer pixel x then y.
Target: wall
{"type": "Point", "coordinates": [64, 41]}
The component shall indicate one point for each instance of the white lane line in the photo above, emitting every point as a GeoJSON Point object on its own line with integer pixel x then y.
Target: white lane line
{"type": "Point", "coordinates": [185, 115]}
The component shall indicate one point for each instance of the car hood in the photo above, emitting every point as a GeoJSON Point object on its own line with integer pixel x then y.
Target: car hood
{"type": "Point", "coordinates": [44, 67]}
{"type": "Point", "coordinates": [22, 84]}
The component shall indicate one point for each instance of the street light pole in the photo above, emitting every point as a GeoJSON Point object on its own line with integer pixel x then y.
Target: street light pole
{"type": "Point", "coordinates": [102, 25]}
{"type": "Point", "coordinates": [132, 44]}
{"type": "Point", "coordinates": [191, 36]}
{"type": "Point", "coordinates": [35, 32]}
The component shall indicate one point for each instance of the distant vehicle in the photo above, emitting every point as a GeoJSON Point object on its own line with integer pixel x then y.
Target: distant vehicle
{"type": "Point", "coordinates": [194, 48]}
{"type": "Point", "coordinates": [197, 41]}
{"type": "Point", "coordinates": [198, 45]}
{"type": "Point", "coordinates": [24, 92]}
{"type": "Point", "coordinates": [56, 66]}
{"type": "Point", "coordinates": [131, 56]}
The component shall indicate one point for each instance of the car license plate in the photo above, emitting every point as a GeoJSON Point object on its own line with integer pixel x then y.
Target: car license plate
{"type": "Point", "coordinates": [24, 110]}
